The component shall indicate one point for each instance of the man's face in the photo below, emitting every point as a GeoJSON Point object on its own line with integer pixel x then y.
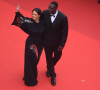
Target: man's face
{"type": "Point", "coordinates": [52, 9]}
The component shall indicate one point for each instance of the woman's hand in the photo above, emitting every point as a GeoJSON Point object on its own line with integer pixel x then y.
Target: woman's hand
{"type": "Point", "coordinates": [18, 8]}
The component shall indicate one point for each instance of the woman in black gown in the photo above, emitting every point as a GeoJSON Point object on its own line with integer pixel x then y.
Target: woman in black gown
{"type": "Point", "coordinates": [34, 43]}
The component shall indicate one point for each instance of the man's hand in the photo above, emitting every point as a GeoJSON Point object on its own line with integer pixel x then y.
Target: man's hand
{"type": "Point", "coordinates": [60, 48]}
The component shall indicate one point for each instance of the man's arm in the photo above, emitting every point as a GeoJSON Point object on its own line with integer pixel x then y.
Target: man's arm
{"type": "Point", "coordinates": [64, 34]}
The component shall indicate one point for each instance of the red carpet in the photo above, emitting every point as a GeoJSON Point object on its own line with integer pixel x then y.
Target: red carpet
{"type": "Point", "coordinates": [79, 67]}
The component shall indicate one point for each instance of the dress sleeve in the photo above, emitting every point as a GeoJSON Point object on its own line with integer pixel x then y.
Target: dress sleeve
{"type": "Point", "coordinates": [21, 22]}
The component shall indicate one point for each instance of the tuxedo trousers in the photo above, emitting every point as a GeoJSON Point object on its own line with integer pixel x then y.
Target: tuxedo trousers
{"type": "Point", "coordinates": [52, 57]}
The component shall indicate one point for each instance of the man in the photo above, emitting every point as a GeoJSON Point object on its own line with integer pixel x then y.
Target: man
{"type": "Point", "coordinates": [55, 37]}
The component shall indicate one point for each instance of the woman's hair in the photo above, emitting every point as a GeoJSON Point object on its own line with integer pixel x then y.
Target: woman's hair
{"type": "Point", "coordinates": [38, 10]}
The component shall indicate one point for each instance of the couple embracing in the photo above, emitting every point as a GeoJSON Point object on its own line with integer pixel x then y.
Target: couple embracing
{"type": "Point", "coordinates": [48, 30]}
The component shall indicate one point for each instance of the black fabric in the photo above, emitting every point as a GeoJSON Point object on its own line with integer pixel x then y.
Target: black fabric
{"type": "Point", "coordinates": [19, 21]}
{"type": "Point", "coordinates": [33, 46]}
{"type": "Point", "coordinates": [56, 32]}
{"type": "Point", "coordinates": [55, 35]}
{"type": "Point", "coordinates": [52, 59]}
{"type": "Point", "coordinates": [31, 61]}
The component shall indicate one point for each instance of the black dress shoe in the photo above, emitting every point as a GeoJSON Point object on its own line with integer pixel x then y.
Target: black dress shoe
{"type": "Point", "coordinates": [33, 84]}
{"type": "Point", "coordinates": [53, 81]}
{"type": "Point", "coordinates": [48, 74]}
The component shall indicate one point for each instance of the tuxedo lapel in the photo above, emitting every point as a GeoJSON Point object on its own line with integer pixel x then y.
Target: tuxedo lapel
{"type": "Point", "coordinates": [57, 18]}
{"type": "Point", "coordinates": [49, 18]}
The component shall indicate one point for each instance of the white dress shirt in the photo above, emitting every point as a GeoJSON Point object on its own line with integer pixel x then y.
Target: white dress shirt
{"type": "Point", "coordinates": [54, 16]}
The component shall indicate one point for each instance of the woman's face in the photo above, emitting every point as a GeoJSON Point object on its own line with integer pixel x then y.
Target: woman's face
{"type": "Point", "coordinates": [35, 16]}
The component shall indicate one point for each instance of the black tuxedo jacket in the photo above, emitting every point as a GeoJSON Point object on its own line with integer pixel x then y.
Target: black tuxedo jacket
{"type": "Point", "coordinates": [56, 32]}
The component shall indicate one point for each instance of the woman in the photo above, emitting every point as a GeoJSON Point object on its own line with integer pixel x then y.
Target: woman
{"type": "Point", "coordinates": [34, 44]}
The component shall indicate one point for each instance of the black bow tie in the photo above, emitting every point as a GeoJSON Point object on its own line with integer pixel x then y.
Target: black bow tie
{"type": "Point", "coordinates": [52, 15]}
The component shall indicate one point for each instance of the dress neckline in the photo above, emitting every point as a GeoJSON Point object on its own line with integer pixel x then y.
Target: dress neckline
{"type": "Point", "coordinates": [35, 22]}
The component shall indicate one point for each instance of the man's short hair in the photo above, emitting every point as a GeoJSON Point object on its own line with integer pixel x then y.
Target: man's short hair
{"type": "Point", "coordinates": [54, 3]}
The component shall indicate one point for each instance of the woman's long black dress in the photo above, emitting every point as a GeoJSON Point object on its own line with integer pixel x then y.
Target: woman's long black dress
{"type": "Point", "coordinates": [33, 45]}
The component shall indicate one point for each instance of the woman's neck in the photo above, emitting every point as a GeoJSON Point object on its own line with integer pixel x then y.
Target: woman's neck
{"type": "Point", "coordinates": [37, 21]}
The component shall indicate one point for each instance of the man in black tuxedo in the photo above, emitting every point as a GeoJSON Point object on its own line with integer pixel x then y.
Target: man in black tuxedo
{"type": "Point", "coordinates": [55, 37]}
